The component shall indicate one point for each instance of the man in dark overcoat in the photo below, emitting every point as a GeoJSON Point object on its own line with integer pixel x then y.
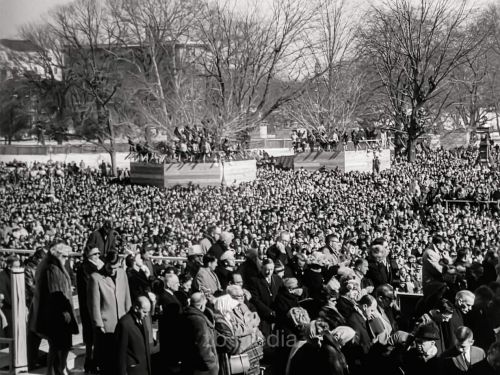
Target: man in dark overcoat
{"type": "Point", "coordinates": [132, 340]}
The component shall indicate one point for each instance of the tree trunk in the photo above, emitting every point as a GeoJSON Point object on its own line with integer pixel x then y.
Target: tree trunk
{"type": "Point", "coordinates": [42, 135]}
{"type": "Point", "coordinates": [410, 149]}
{"type": "Point", "coordinates": [112, 154]}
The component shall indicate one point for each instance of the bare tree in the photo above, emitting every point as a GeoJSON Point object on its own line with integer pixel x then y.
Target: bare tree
{"type": "Point", "coordinates": [415, 49]}
{"type": "Point", "coordinates": [254, 62]}
{"type": "Point", "coordinates": [84, 29]}
{"type": "Point", "coordinates": [49, 89]}
{"type": "Point", "coordinates": [474, 81]}
{"type": "Point", "coordinates": [331, 99]}
{"type": "Point", "coordinates": [156, 36]}
{"type": "Point", "coordinates": [493, 81]}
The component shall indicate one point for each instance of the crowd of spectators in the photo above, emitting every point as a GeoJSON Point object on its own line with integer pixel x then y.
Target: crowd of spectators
{"type": "Point", "coordinates": [191, 144]}
{"type": "Point", "coordinates": [321, 140]}
{"type": "Point", "coordinates": [324, 256]}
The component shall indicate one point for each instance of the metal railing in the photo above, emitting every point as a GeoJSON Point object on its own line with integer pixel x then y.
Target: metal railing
{"type": "Point", "coordinates": [270, 143]}
{"type": "Point", "coordinates": [447, 202]}
{"type": "Point", "coordinates": [29, 252]}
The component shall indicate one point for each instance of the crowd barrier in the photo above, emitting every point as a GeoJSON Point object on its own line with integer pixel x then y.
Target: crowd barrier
{"type": "Point", "coordinates": [270, 143]}
{"type": "Point", "coordinates": [447, 202]}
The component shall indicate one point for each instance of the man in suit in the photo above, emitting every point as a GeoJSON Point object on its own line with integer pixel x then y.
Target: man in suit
{"type": "Point", "coordinates": [359, 321]}
{"type": "Point", "coordinates": [464, 301]}
{"type": "Point", "coordinates": [433, 262]}
{"type": "Point", "coordinates": [380, 270]}
{"type": "Point", "coordinates": [264, 289]}
{"type": "Point", "coordinates": [132, 340]}
{"type": "Point", "coordinates": [108, 300]}
{"type": "Point", "coordinates": [491, 364]}
{"type": "Point", "coordinates": [386, 310]}
{"type": "Point", "coordinates": [463, 354]}
{"type": "Point", "coordinates": [103, 238]}
{"type": "Point", "coordinates": [169, 322]}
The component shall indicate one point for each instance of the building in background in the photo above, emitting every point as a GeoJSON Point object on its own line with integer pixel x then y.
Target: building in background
{"type": "Point", "coordinates": [17, 57]}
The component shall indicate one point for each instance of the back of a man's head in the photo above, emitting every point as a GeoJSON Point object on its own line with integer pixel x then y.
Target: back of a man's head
{"type": "Point", "coordinates": [198, 300]}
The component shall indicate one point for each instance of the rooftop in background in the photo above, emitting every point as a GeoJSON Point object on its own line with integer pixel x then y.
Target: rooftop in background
{"type": "Point", "coordinates": [19, 45]}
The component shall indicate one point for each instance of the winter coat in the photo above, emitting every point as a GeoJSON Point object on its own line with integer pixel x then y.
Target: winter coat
{"type": "Point", "coordinates": [169, 327]}
{"type": "Point", "coordinates": [227, 343]}
{"type": "Point", "coordinates": [83, 273]}
{"type": "Point", "coordinates": [132, 347]}
{"type": "Point", "coordinates": [108, 300]}
{"type": "Point", "coordinates": [53, 300]}
{"type": "Point", "coordinates": [263, 296]}
{"type": "Point", "coordinates": [207, 280]}
{"type": "Point", "coordinates": [199, 350]}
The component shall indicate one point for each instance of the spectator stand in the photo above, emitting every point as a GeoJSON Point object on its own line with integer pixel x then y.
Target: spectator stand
{"type": "Point", "coordinates": [163, 167]}
{"type": "Point", "coordinates": [349, 157]}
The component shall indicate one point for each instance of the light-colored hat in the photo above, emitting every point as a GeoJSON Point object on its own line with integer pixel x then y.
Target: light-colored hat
{"type": "Point", "coordinates": [227, 255]}
{"type": "Point", "coordinates": [195, 250]}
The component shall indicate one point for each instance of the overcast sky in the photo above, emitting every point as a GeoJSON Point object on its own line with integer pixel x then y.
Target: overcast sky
{"type": "Point", "coordinates": [14, 13]}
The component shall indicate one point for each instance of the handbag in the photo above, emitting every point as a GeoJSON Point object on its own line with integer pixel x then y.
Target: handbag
{"type": "Point", "coordinates": [239, 363]}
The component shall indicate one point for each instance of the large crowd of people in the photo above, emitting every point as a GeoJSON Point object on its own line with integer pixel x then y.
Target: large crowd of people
{"type": "Point", "coordinates": [294, 272]}
{"type": "Point", "coordinates": [191, 144]}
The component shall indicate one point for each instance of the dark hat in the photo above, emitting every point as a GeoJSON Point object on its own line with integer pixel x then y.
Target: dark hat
{"type": "Point", "coordinates": [427, 332]}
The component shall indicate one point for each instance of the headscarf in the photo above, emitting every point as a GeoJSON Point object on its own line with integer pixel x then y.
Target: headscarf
{"type": "Point", "coordinates": [314, 331]}
{"type": "Point", "coordinates": [225, 305]}
{"type": "Point", "coordinates": [299, 316]}
{"type": "Point", "coordinates": [343, 334]}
